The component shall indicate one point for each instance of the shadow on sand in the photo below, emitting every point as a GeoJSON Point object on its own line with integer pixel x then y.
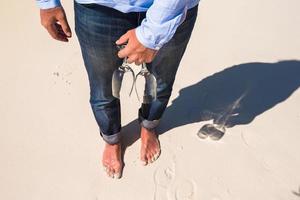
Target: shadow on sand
{"type": "Point", "coordinates": [231, 97]}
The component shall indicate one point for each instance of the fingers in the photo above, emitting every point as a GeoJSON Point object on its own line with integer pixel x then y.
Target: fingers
{"type": "Point", "coordinates": [138, 62]}
{"type": "Point", "coordinates": [56, 33]}
{"type": "Point", "coordinates": [65, 26]}
{"type": "Point", "coordinates": [61, 32]}
{"type": "Point", "coordinates": [138, 59]}
{"type": "Point", "coordinates": [132, 59]}
{"type": "Point", "coordinates": [134, 51]}
{"type": "Point", "coordinates": [125, 52]}
{"type": "Point", "coordinates": [134, 48]}
{"type": "Point", "coordinates": [124, 38]}
{"type": "Point", "coordinates": [55, 22]}
{"type": "Point", "coordinates": [128, 49]}
{"type": "Point", "coordinates": [148, 59]}
{"type": "Point", "coordinates": [53, 30]}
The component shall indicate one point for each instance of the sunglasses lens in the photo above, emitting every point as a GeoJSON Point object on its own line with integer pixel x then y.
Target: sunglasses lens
{"type": "Point", "coordinates": [150, 88]}
{"type": "Point", "coordinates": [117, 82]}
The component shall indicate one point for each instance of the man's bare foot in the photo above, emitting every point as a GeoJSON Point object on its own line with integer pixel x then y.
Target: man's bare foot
{"type": "Point", "coordinates": [112, 161]}
{"type": "Point", "coordinates": [150, 148]}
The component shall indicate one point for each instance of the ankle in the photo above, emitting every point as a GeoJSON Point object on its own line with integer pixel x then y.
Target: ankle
{"type": "Point", "coordinates": [148, 132]}
{"type": "Point", "coordinates": [116, 145]}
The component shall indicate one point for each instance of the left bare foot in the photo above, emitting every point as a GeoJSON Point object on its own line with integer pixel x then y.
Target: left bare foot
{"type": "Point", "coordinates": [150, 147]}
{"type": "Point", "coordinates": [112, 161]}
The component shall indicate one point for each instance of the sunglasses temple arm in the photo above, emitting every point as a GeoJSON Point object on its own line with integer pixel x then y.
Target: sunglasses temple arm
{"type": "Point", "coordinates": [133, 80]}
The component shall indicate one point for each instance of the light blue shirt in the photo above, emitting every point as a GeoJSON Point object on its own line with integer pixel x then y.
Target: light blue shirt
{"type": "Point", "coordinates": [161, 21]}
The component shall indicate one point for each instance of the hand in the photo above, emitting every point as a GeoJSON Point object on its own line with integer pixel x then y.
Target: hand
{"type": "Point", "coordinates": [134, 50]}
{"type": "Point", "coordinates": [55, 21]}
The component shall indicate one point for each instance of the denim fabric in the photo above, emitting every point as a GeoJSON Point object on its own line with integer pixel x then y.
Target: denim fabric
{"type": "Point", "coordinates": [97, 28]}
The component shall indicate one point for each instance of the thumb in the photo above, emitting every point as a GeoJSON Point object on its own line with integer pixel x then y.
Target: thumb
{"type": "Point", "coordinates": [65, 26]}
{"type": "Point", "coordinates": [123, 39]}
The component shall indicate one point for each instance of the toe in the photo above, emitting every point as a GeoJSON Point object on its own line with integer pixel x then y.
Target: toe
{"type": "Point", "coordinates": [149, 158]}
{"type": "Point", "coordinates": [144, 159]}
{"type": "Point", "coordinates": [156, 156]}
{"type": "Point", "coordinates": [110, 172]}
{"type": "Point", "coordinates": [144, 162]}
{"type": "Point", "coordinates": [118, 172]}
{"type": "Point", "coordinates": [152, 159]}
{"type": "Point", "coordinates": [117, 175]}
{"type": "Point", "coordinates": [105, 169]}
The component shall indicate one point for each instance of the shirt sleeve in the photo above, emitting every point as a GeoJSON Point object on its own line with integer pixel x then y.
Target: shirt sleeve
{"type": "Point", "coordinates": [161, 21]}
{"type": "Point", "coordinates": [46, 4]}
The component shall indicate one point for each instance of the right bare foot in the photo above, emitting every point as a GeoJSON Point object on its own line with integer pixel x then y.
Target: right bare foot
{"type": "Point", "coordinates": [112, 161]}
{"type": "Point", "coordinates": [150, 148]}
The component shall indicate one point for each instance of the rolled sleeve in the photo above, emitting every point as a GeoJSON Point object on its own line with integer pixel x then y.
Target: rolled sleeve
{"type": "Point", "coordinates": [46, 4]}
{"type": "Point", "coordinates": [161, 22]}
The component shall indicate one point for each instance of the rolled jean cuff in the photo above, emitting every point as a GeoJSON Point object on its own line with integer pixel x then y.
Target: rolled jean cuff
{"type": "Point", "coordinates": [111, 139]}
{"type": "Point", "coordinates": [148, 124]}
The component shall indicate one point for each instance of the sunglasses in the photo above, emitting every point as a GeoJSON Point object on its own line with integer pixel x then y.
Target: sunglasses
{"type": "Point", "coordinates": [150, 80]}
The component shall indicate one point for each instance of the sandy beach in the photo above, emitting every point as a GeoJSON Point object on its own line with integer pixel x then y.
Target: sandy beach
{"type": "Point", "coordinates": [242, 66]}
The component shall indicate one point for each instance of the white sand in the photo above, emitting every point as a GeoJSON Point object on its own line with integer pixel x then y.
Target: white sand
{"type": "Point", "coordinates": [50, 148]}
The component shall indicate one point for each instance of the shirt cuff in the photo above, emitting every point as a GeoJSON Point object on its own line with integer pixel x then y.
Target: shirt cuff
{"type": "Point", "coordinates": [46, 4]}
{"type": "Point", "coordinates": [144, 41]}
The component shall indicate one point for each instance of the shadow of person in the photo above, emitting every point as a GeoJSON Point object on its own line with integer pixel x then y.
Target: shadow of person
{"type": "Point", "coordinates": [231, 97]}
{"type": "Point", "coordinates": [234, 96]}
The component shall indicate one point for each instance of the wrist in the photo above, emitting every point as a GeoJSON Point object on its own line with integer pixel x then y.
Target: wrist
{"type": "Point", "coordinates": [145, 42]}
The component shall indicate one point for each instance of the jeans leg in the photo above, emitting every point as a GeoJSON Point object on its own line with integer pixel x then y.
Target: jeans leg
{"type": "Point", "coordinates": [97, 28]}
{"type": "Point", "coordinates": [164, 67]}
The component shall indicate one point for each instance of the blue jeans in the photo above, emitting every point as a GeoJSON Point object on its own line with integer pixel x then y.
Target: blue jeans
{"type": "Point", "coordinates": [97, 28]}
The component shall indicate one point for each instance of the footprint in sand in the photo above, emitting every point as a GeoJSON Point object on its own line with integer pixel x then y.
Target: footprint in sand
{"type": "Point", "coordinates": [185, 190]}
{"type": "Point", "coordinates": [163, 179]}
{"type": "Point", "coordinates": [170, 187]}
